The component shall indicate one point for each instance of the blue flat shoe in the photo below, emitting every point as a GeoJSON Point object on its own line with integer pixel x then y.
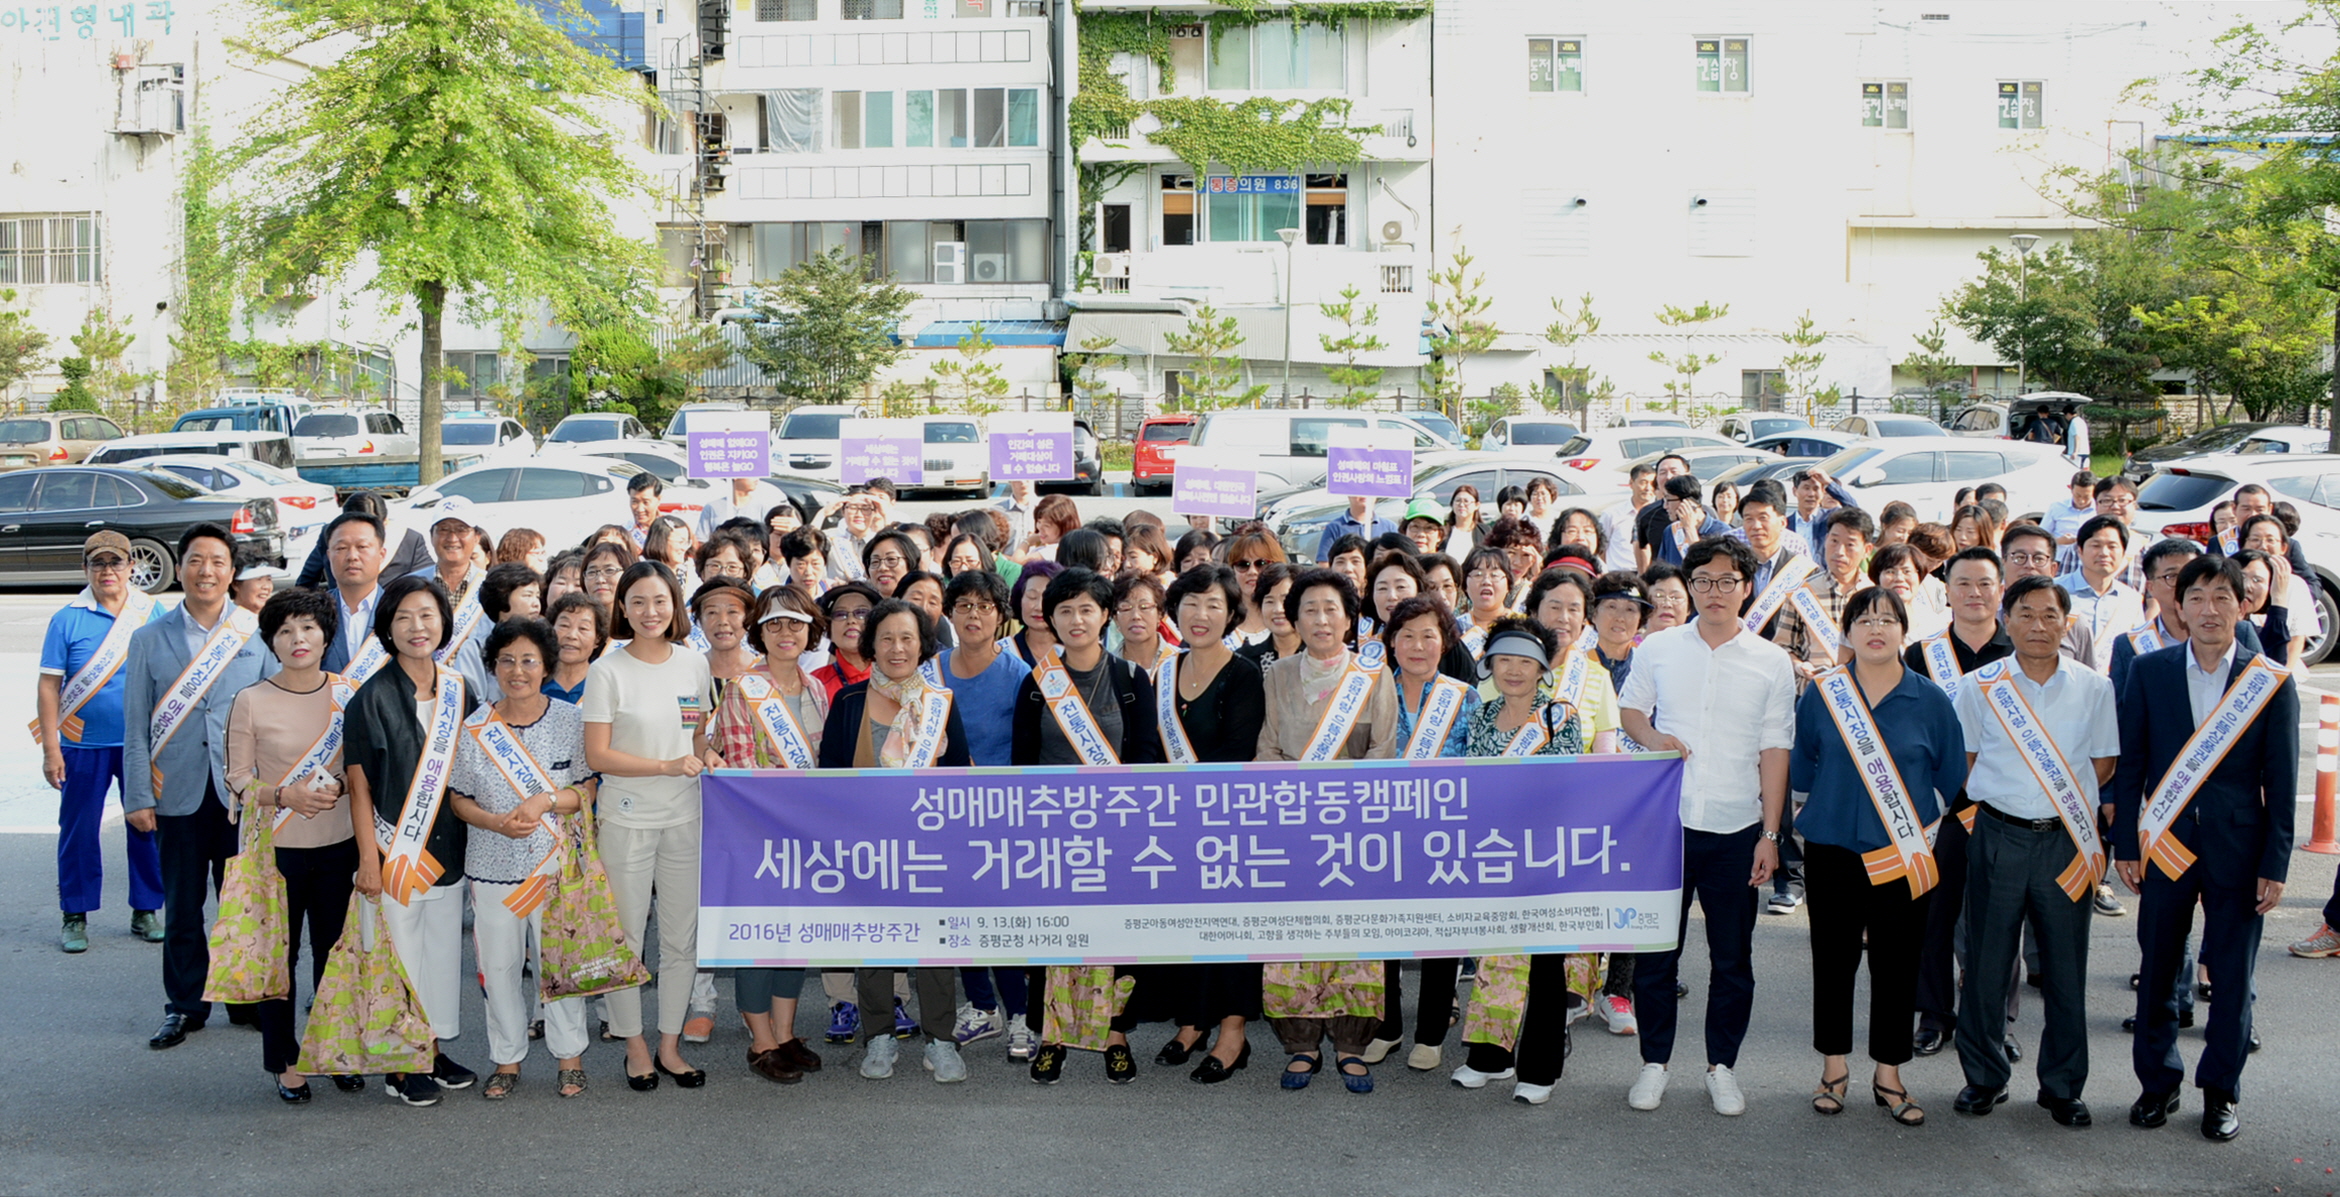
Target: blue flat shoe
{"type": "Point", "coordinates": [1300, 1079]}
{"type": "Point", "coordinates": [1358, 1082]}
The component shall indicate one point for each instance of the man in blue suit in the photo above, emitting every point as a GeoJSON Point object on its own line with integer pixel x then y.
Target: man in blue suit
{"type": "Point", "coordinates": [354, 550]}
{"type": "Point", "coordinates": [183, 674]}
{"type": "Point", "coordinates": [2202, 812]}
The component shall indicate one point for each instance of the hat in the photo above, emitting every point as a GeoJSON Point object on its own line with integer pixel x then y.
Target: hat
{"type": "Point", "coordinates": [445, 520]}
{"type": "Point", "coordinates": [787, 613]}
{"type": "Point", "coordinates": [1572, 561]}
{"type": "Point", "coordinates": [106, 540]}
{"type": "Point", "coordinates": [261, 569]}
{"type": "Point", "coordinates": [1424, 508]}
{"type": "Point", "coordinates": [1513, 643]}
{"type": "Point", "coordinates": [1632, 591]}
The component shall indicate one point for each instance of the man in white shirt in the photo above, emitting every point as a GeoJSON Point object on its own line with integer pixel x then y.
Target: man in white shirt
{"type": "Point", "coordinates": [1724, 697]}
{"type": "Point", "coordinates": [2064, 516]}
{"type": "Point", "coordinates": [1018, 505]}
{"type": "Point", "coordinates": [2076, 444]}
{"type": "Point", "coordinates": [2107, 606]}
{"type": "Point", "coordinates": [2026, 845]}
{"type": "Point", "coordinates": [751, 497]}
{"type": "Point", "coordinates": [1617, 520]}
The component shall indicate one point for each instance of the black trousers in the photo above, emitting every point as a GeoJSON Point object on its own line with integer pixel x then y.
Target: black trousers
{"type": "Point", "coordinates": [1541, 1054]}
{"type": "Point", "coordinates": [1937, 977]}
{"type": "Point", "coordinates": [1433, 1008]}
{"type": "Point", "coordinates": [195, 850]}
{"type": "Point", "coordinates": [1715, 868]}
{"type": "Point", "coordinates": [1789, 877]}
{"type": "Point", "coordinates": [1204, 995]}
{"type": "Point", "coordinates": [1849, 915]}
{"type": "Point", "coordinates": [317, 884]}
{"type": "Point", "coordinates": [2010, 883]}
{"type": "Point", "coordinates": [2231, 925]}
{"type": "Point", "coordinates": [2332, 907]}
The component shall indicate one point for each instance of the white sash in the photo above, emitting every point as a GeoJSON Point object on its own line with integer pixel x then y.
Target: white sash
{"type": "Point", "coordinates": [1435, 721]}
{"type": "Point", "coordinates": [1784, 581]}
{"type": "Point", "coordinates": [1174, 742]}
{"type": "Point", "coordinates": [321, 753]}
{"type": "Point", "coordinates": [235, 628]}
{"type": "Point", "coordinates": [1475, 640]}
{"type": "Point", "coordinates": [1941, 661]}
{"type": "Point", "coordinates": [1536, 732]}
{"type": "Point", "coordinates": [2145, 639]}
{"type": "Point", "coordinates": [1573, 671]}
{"type": "Point", "coordinates": [1910, 855]}
{"type": "Point", "coordinates": [776, 720]}
{"type": "Point", "coordinates": [1680, 541]}
{"type": "Point", "coordinates": [934, 717]}
{"type": "Point", "coordinates": [698, 640]}
{"type": "Point", "coordinates": [407, 866]}
{"type": "Point", "coordinates": [468, 613]}
{"type": "Point", "coordinates": [368, 662]}
{"type": "Point", "coordinates": [111, 652]}
{"type": "Point", "coordinates": [2201, 757]}
{"type": "Point", "coordinates": [528, 778]}
{"type": "Point", "coordinates": [2050, 769]}
{"type": "Point", "coordinates": [1073, 717]}
{"type": "Point", "coordinates": [1816, 623]}
{"type": "Point", "coordinates": [1347, 703]}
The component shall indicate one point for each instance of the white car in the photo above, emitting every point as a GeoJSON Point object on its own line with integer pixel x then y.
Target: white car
{"type": "Point", "coordinates": [1298, 519]}
{"type": "Point", "coordinates": [1706, 462]}
{"type": "Point", "coordinates": [1755, 425]}
{"type": "Point", "coordinates": [1806, 442]}
{"type": "Point", "coordinates": [678, 426]}
{"type": "Point", "coordinates": [1528, 433]}
{"type": "Point", "coordinates": [1889, 425]}
{"type": "Point", "coordinates": [1927, 472]}
{"type": "Point", "coordinates": [958, 455]}
{"type": "Point", "coordinates": [670, 464]}
{"type": "Point", "coordinates": [807, 439]}
{"type": "Point", "coordinates": [586, 427]}
{"type": "Point", "coordinates": [352, 432]}
{"type": "Point", "coordinates": [1612, 450]}
{"type": "Point", "coordinates": [2177, 499]}
{"type": "Point", "coordinates": [565, 496]}
{"type": "Point", "coordinates": [496, 438]}
{"type": "Point", "coordinates": [303, 508]}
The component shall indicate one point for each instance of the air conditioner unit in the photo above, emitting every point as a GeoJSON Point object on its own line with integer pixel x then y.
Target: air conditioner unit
{"type": "Point", "coordinates": [991, 268]}
{"type": "Point", "coordinates": [950, 262]}
{"type": "Point", "coordinates": [1112, 265]}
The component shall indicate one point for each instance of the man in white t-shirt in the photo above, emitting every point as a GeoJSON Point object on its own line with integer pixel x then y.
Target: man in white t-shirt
{"type": "Point", "coordinates": [1617, 519]}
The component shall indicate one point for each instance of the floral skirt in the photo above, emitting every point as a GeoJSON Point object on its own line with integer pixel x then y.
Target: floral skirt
{"type": "Point", "coordinates": [1499, 996]}
{"type": "Point", "coordinates": [1322, 989]}
{"type": "Point", "coordinates": [1080, 1002]}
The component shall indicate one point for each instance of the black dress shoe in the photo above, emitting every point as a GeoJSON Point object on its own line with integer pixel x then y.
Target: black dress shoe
{"type": "Point", "coordinates": [2153, 1109]}
{"type": "Point", "coordinates": [689, 1078]}
{"type": "Point", "coordinates": [1175, 1053]}
{"type": "Point", "coordinates": [1929, 1042]}
{"type": "Point", "coordinates": [174, 1031]}
{"type": "Point", "coordinates": [2071, 1111]}
{"type": "Point", "coordinates": [2014, 1050]}
{"type": "Point", "coordinates": [2254, 1039]}
{"type": "Point", "coordinates": [349, 1084]}
{"type": "Point", "coordinates": [1979, 1100]}
{"type": "Point", "coordinates": [2221, 1116]}
{"type": "Point", "coordinates": [291, 1096]}
{"type": "Point", "coordinates": [2185, 1019]}
{"type": "Point", "coordinates": [1211, 1072]}
{"type": "Point", "coordinates": [2129, 1025]}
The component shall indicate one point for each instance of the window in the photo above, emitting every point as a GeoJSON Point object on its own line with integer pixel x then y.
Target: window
{"type": "Point", "coordinates": [792, 121]}
{"type": "Point", "coordinates": [1027, 8]}
{"type": "Point", "coordinates": [975, 8]}
{"type": "Point", "coordinates": [49, 249]}
{"type": "Point", "coordinates": [476, 374]}
{"type": "Point", "coordinates": [998, 251]}
{"type": "Point", "coordinates": [1555, 64]}
{"type": "Point", "coordinates": [70, 490]}
{"type": "Point", "coordinates": [1311, 436]}
{"type": "Point", "coordinates": [1279, 56]}
{"type": "Point", "coordinates": [1252, 207]}
{"type": "Point", "coordinates": [1327, 217]}
{"type": "Point", "coordinates": [877, 120]}
{"type": "Point", "coordinates": [1885, 105]}
{"type": "Point", "coordinates": [1909, 468]}
{"type": "Point", "coordinates": [1178, 210]}
{"type": "Point", "coordinates": [1970, 466]}
{"type": "Point", "coordinates": [540, 485]}
{"type": "Point", "coordinates": [795, 10]}
{"type": "Point", "coordinates": [16, 491]}
{"type": "Point", "coordinates": [873, 10]}
{"type": "Point", "coordinates": [985, 117]}
{"type": "Point", "coordinates": [486, 486]}
{"type": "Point", "coordinates": [846, 119]}
{"type": "Point", "coordinates": [1023, 116]}
{"type": "Point", "coordinates": [950, 119]}
{"type": "Point", "coordinates": [918, 118]}
{"type": "Point", "coordinates": [780, 246]}
{"type": "Point", "coordinates": [1722, 64]}
{"type": "Point", "coordinates": [990, 117]}
{"type": "Point", "coordinates": [2022, 104]}
{"type": "Point", "coordinates": [1761, 388]}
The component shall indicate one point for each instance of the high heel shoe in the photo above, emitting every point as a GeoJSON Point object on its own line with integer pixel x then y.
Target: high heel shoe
{"type": "Point", "coordinates": [690, 1078]}
{"type": "Point", "coordinates": [1211, 1072]}
{"type": "Point", "coordinates": [1175, 1053]}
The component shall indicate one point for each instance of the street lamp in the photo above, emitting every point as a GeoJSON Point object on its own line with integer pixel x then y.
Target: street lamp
{"type": "Point", "coordinates": [2023, 243]}
{"type": "Point", "coordinates": [1290, 293]}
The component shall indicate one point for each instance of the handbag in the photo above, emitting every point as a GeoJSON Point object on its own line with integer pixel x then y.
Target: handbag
{"type": "Point", "coordinates": [582, 943]}
{"type": "Point", "coordinates": [248, 938]}
{"type": "Point", "coordinates": [366, 1017]}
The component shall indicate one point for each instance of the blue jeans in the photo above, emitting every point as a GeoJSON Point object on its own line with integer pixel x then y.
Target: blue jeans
{"type": "Point", "coordinates": [81, 812]}
{"type": "Point", "coordinates": [1012, 988]}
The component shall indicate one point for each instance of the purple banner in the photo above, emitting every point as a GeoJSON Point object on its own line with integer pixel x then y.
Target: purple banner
{"type": "Point", "coordinates": [1378, 473]}
{"type": "Point", "coordinates": [1202, 490]}
{"type": "Point", "coordinates": [729, 454]}
{"type": "Point", "coordinates": [1268, 861]}
{"type": "Point", "coordinates": [1032, 456]}
{"type": "Point", "coordinates": [899, 458]}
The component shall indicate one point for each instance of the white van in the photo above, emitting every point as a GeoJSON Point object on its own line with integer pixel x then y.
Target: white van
{"type": "Point", "coordinates": [267, 448]}
{"type": "Point", "coordinates": [958, 454]}
{"type": "Point", "coordinates": [807, 439]}
{"type": "Point", "coordinates": [1289, 445]}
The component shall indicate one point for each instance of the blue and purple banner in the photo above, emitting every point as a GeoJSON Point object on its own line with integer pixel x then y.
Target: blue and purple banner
{"type": "Point", "coordinates": [1032, 447]}
{"type": "Point", "coordinates": [890, 449]}
{"type": "Point", "coordinates": [1230, 494]}
{"type": "Point", "coordinates": [737, 454]}
{"type": "Point", "coordinates": [1267, 861]}
{"type": "Point", "coordinates": [1377, 463]}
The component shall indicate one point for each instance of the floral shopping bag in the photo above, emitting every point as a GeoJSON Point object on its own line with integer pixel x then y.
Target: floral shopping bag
{"type": "Point", "coordinates": [248, 940]}
{"type": "Point", "coordinates": [366, 1017]}
{"type": "Point", "coordinates": [582, 943]}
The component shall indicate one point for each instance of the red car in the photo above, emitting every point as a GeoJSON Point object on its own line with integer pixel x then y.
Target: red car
{"type": "Point", "coordinates": [1157, 438]}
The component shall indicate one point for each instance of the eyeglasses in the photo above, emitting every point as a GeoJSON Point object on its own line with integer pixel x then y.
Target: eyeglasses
{"type": "Point", "coordinates": [972, 607]}
{"type": "Point", "coordinates": [1477, 574]}
{"type": "Point", "coordinates": [888, 561]}
{"type": "Point", "coordinates": [1262, 563]}
{"type": "Point", "coordinates": [519, 663]}
{"type": "Point", "coordinates": [108, 562]}
{"type": "Point", "coordinates": [1128, 609]}
{"type": "Point", "coordinates": [1722, 585]}
{"type": "Point", "coordinates": [1876, 623]}
{"type": "Point", "coordinates": [605, 573]}
{"type": "Point", "coordinates": [849, 615]}
{"type": "Point", "coordinates": [2030, 558]}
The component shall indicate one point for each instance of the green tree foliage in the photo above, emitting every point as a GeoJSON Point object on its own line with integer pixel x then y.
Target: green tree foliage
{"type": "Point", "coordinates": [1359, 384]}
{"type": "Point", "coordinates": [21, 344]}
{"type": "Point", "coordinates": [466, 150]}
{"type": "Point", "coordinates": [1801, 363]}
{"type": "Point", "coordinates": [1579, 386]}
{"type": "Point", "coordinates": [1465, 328]}
{"type": "Point", "coordinates": [618, 368]}
{"type": "Point", "coordinates": [1929, 363]}
{"type": "Point", "coordinates": [1215, 379]}
{"type": "Point", "coordinates": [101, 350]}
{"type": "Point", "coordinates": [1085, 369]}
{"type": "Point", "coordinates": [208, 278]}
{"type": "Point", "coordinates": [970, 378]}
{"type": "Point", "coordinates": [826, 328]}
{"type": "Point", "coordinates": [1689, 363]}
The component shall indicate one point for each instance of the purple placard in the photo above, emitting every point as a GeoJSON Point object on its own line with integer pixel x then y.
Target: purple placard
{"type": "Point", "coordinates": [729, 454]}
{"type": "Point", "coordinates": [1204, 490]}
{"type": "Point", "coordinates": [901, 459]}
{"type": "Point", "coordinates": [1032, 456]}
{"type": "Point", "coordinates": [1376, 473]}
{"type": "Point", "coordinates": [1266, 861]}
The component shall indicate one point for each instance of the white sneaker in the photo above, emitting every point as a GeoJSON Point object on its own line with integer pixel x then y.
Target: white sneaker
{"type": "Point", "coordinates": [877, 1058]}
{"type": "Point", "coordinates": [1724, 1089]}
{"type": "Point", "coordinates": [1424, 1058]}
{"type": "Point", "coordinates": [945, 1062]}
{"type": "Point", "coordinates": [1378, 1050]}
{"type": "Point", "coordinates": [1617, 1011]}
{"type": "Point", "coordinates": [1471, 1078]}
{"type": "Point", "coordinates": [1534, 1095]}
{"type": "Point", "coordinates": [1578, 1009]}
{"type": "Point", "coordinates": [1021, 1041]}
{"type": "Point", "coordinates": [975, 1025]}
{"type": "Point", "coordinates": [1648, 1089]}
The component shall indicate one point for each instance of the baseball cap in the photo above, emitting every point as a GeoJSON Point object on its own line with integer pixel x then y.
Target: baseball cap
{"type": "Point", "coordinates": [1424, 509]}
{"type": "Point", "coordinates": [109, 541]}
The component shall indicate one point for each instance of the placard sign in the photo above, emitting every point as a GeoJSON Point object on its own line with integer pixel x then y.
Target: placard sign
{"type": "Point", "coordinates": [728, 444]}
{"type": "Point", "coordinates": [1035, 446]}
{"type": "Point", "coordinates": [1229, 491]}
{"type": "Point", "coordinates": [891, 449]}
{"type": "Point", "coordinates": [1374, 462]}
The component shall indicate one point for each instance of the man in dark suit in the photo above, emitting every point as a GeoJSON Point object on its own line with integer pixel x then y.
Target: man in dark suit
{"type": "Point", "coordinates": [2203, 814]}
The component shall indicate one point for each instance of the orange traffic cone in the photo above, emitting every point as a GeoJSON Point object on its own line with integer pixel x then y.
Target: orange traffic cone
{"type": "Point", "coordinates": [2326, 835]}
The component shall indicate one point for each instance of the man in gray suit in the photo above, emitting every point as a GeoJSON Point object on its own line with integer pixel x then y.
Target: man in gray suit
{"type": "Point", "coordinates": [354, 549]}
{"type": "Point", "coordinates": [183, 673]}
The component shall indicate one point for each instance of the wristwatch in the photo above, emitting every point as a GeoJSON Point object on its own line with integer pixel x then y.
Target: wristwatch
{"type": "Point", "coordinates": [1771, 835]}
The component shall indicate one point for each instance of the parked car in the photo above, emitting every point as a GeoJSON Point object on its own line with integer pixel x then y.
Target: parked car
{"type": "Point", "coordinates": [1806, 442]}
{"type": "Point", "coordinates": [251, 414]}
{"type": "Point", "coordinates": [1438, 424]}
{"type": "Point", "coordinates": [1749, 426]}
{"type": "Point", "coordinates": [1646, 421]}
{"type": "Point", "coordinates": [1610, 449]}
{"type": "Point", "coordinates": [302, 507]}
{"type": "Point", "coordinates": [670, 463]}
{"type": "Point", "coordinates": [957, 455]}
{"type": "Point", "coordinates": [1298, 519]}
{"type": "Point", "coordinates": [2177, 499]}
{"type": "Point", "coordinates": [1889, 425]}
{"type": "Point", "coordinates": [497, 437]}
{"type": "Point", "coordinates": [807, 440]}
{"type": "Point", "coordinates": [53, 438]}
{"type": "Point", "coordinates": [1158, 440]}
{"type": "Point", "coordinates": [1289, 445]}
{"type": "Point", "coordinates": [1528, 432]}
{"type": "Point", "coordinates": [2247, 439]}
{"type": "Point", "coordinates": [1088, 463]}
{"type": "Point", "coordinates": [267, 448]}
{"type": "Point", "coordinates": [46, 515]}
{"type": "Point", "coordinates": [1775, 469]}
{"type": "Point", "coordinates": [678, 425]}
{"type": "Point", "coordinates": [352, 432]}
{"type": "Point", "coordinates": [596, 426]}
{"type": "Point", "coordinates": [565, 496]}
{"type": "Point", "coordinates": [1927, 472]}
{"type": "Point", "coordinates": [1706, 463]}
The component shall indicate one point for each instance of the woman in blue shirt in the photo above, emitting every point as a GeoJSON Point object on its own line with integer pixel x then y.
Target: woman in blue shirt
{"type": "Point", "coordinates": [1916, 733]}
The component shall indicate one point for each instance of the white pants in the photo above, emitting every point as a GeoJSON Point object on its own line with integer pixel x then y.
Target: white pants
{"type": "Point", "coordinates": [663, 861]}
{"type": "Point", "coordinates": [428, 936]}
{"type": "Point", "coordinates": [503, 942]}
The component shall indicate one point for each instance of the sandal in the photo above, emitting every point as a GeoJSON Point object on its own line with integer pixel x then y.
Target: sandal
{"type": "Point", "coordinates": [572, 1082]}
{"type": "Point", "coordinates": [500, 1085]}
{"type": "Point", "coordinates": [1901, 1109]}
{"type": "Point", "coordinates": [1831, 1092]}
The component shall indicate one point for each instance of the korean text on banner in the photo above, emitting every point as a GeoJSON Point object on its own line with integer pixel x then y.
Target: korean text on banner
{"type": "Point", "coordinates": [890, 449]}
{"type": "Point", "coordinates": [1267, 861]}
{"type": "Point", "coordinates": [1375, 462]}
{"type": "Point", "coordinates": [1225, 492]}
{"type": "Point", "coordinates": [728, 444]}
{"type": "Point", "coordinates": [1032, 447]}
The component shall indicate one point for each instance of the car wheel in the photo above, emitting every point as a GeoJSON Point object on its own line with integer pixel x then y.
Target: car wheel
{"type": "Point", "coordinates": [1094, 489]}
{"type": "Point", "coordinates": [2321, 646]}
{"type": "Point", "coordinates": [982, 489]}
{"type": "Point", "coordinates": [151, 567]}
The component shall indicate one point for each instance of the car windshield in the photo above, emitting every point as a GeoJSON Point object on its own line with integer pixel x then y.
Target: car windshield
{"type": "Point", "coordinates": [23, 432]}
{"type": "Point", "coordinates": [1843, 464]}
{"type": "Point", "coordinates": [952, 432]}
{"type": "Point", "coordinates": [810, 426]}
{"type": "Point", "coordinates": [1178, 433]}
{"type": "Point", "coordinates": [1439, 424]}
{"type": "Point", "coordinates": [1907, 428]}
{"type": "Point", "coordinates": [575, 431]}
{"type": "Point", "coordinates": [1542, 434]}
{"type": "Point", "coordinates": [679, 424]}
{"type": "Point", "coordinates": [1576, 444]}
{"type": "Point", "coordinates": [2171, 490]}
{"type": "Point", "coordinates": [468, 432]}
{"type": "Point", "coordinates": [171, 485]}
{"type": "Point", "coordinates": [205, 424]}
{"type": "Point", "coordinates": [262, 471]}
{"type": "Point", "coordinates": [2219, 440]}
{"type": "Point", "coordinates": [322, 425]}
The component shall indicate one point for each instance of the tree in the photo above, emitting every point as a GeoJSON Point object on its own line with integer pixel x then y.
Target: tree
{"type": "Point", "coordinates": [99, 368]}
{"type": "Point", "coordinates": [1462, 328]}
{"type": "Point", "coordinates": [826, 328]}
{"type": "Point", "coordinates": [1928, 363]}
{"type": "Point", "coordinates": [20, 343]}
{"type": "Point", "coordinates": [618, 368]}
{"type": "Point", "coordinates": [1688, 365]}
{"type": "Point", "coordinates": [972, 381]}
{"type": "Point", "coordinates": [1086, 369]}
{"type": "Point", "coordinates": [1359, 384]}
{"type": "Point", "coordinates": [464, 150]}
{"type": "Point", "coordinates": [1578, 387]}
{"type": "Point", "coordinates": [1216, 378]}
{"type": "Point", "coordinates": [1801, 364]}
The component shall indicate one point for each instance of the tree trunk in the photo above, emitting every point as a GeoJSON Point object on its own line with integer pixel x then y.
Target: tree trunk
{"type": "Point", "coordinates": [431, 299]}
{"type": "Point", "coordinates": [2332, 410]}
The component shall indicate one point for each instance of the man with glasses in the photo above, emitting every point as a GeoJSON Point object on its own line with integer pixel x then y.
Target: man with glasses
{"type": "Point", "coordinates": [1725, 698]}
{"type": "Point", "coordinates": [80, 735]}
{"type": "Point", "coordinates": [2030, 552]}
{"type": "Point", "coordinates": [2161, 562]}
{"type": "Point", "coordinates": [751, 497]}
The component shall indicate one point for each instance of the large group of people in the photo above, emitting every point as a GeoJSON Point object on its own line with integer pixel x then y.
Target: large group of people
{"type": "Point", "coordinates": [1940, 741]}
